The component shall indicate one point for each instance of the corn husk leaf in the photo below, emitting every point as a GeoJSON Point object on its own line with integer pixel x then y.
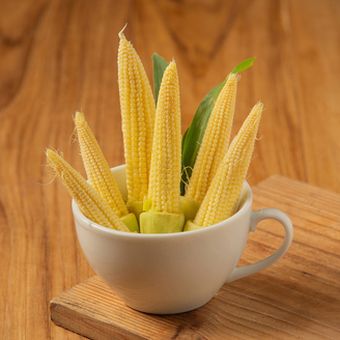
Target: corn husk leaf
{"type": "Point", "coordinates": [159, 66]}
{"type": "Point", "coordinates": [193, 136]}
{"type": "Point", "coordinates": [244, 65]}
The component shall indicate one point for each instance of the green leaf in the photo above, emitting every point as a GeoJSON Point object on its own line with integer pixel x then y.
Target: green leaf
{"type": "Point", "coordinates": [244, 65]}
{"type": "Point", "coordinates": [193, 136]}
{"type": "Point", "coordinates": [159, 66]}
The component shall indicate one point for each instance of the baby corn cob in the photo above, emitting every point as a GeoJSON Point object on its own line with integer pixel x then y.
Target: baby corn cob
{"type": "Point", "coordinates": [138, 111]}
{"type": "Point", "coordinates": [166, 149]}
{"type": "Point", "coordinates": [215, 141]}
{"type": "Point", "coordinates": [214, 146]}
{"type": "Point", "coordinates": [223, 194]}
{"type": "Point", "coordinates": [163, 201]}
{"type": "Point", "coordinates": [89, 201]}
{"type": "Point", "coordinates": [97, 169]}
{"type": "Point", "coordinates": [99, 173]}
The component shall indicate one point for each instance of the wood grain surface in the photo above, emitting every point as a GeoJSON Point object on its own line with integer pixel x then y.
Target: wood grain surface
{"type": "Point", "coordinates": [296, 298]}
{"type": "Point", "coordinates": [59, 56]}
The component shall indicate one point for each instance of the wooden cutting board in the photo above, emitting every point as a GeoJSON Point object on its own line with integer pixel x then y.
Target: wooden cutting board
{"type": "Point", "coordinates": [298, 297]}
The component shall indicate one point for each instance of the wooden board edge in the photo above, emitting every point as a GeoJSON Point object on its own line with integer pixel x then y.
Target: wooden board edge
{"type": "Point", "coordinates": [278, 177]}
{"type": "Point", "coordinates": [67, 317]}
{"type": "Point", "coordinates": [281, 178]}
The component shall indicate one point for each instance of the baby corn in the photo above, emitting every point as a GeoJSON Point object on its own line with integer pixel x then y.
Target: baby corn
{"type": "Point", "coordinates": [163, 200]}
{"type": "Point", "coordinates": [97, 169]}
{"type": "Point", "coordinates": [138, 111]}
{"type": "Point", "coordinates": [214, 146]}
{"type": "Point", "coordinates": [215, 141]}
{"type": "Point", "coordinates": [99, 173]}
{"type": "Point", "coordinates": [89, 201]}
{"type": "Point", "coordinates": [223, 194]}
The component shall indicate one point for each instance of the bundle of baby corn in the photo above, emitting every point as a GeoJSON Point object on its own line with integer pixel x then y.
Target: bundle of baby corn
{"type": "Point", "coordinates": [152, 145]}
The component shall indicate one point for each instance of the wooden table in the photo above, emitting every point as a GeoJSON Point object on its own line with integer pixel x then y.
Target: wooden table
{"type": "Point", "coordinates": [60, 56]}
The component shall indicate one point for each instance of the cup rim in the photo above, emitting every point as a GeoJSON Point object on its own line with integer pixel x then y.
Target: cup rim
{"type": "Point", "coordinates": [93, 226]}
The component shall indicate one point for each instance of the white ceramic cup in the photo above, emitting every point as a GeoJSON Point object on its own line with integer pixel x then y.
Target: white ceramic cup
{"type": "Point", "coordinates": [177, 272]}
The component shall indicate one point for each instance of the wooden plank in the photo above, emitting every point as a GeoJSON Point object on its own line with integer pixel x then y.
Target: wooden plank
{"type": "Point", "coordinates": [298, 297]}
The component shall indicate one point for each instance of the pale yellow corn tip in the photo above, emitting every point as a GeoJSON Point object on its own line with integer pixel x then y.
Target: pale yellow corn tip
{"type": "Point", "coordinates": [89, 201]}
{"type": "Point", "coordinates": [222, 198]}
{"type": "Point", "coordinates": [215, 141]}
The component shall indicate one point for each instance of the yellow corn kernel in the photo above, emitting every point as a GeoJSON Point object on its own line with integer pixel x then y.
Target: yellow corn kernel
{"type": "Point", "coordinates": [89, 201]}
{"type": "Point", "coordinates": [138, 111]}
{"type": "Point", "coordinates": [97, 169]}
{"type": "Point", "coordinates": [165, 172]}
{"type": "Point", "coordinates": [223, 195]}
{"type": "Point", "coordinates": [215, 141]}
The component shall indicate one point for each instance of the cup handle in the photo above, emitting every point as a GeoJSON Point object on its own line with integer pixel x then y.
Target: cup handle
{"type": "Point", "coordinates": [256, 217]}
